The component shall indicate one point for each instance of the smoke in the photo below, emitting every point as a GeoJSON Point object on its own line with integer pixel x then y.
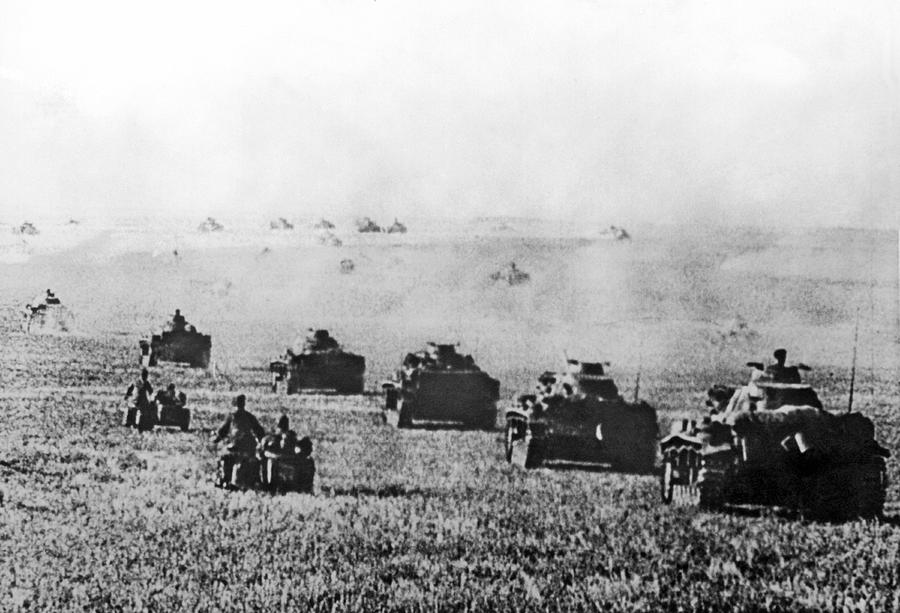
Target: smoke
{"type": "Point", "coordinates": [612, 112]}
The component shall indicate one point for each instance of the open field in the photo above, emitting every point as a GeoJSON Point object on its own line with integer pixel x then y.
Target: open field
{"type": "Point", "coordinates": [99, 518]}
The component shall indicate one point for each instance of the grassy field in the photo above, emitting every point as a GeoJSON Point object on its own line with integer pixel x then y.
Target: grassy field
{"type": "Point", "coordinates": [96, 517]}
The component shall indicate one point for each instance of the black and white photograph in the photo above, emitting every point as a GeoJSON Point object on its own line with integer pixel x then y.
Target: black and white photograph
{"type": "Point", "coordinates": [385, 305]}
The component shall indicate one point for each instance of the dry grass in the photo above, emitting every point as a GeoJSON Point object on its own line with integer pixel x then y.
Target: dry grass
{"type": "Point", "coordinates": [99, 518]}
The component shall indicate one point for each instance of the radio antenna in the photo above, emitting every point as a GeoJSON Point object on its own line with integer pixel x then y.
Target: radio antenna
{"type": "Point", "coordinates": [853, 367]}
{"type": "Point", "coordinates": [637, 378]}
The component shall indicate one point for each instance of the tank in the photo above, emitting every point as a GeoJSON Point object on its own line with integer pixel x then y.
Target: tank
{"type": "Point", "coordinates": [280, 224]}
{"type": "Point", "coordinates": [439, 384]}
{"type": "Point", "coordinates": [179, 343]}
{"type": "Point", "coordinates": [615, 233]}
{"type": "Point", "coordinates": [321, 365]}
{"type": "Point", "coordinates": [47, 319]}
{"type": "Point", "coordinates": [396, 228]}
{"type": "Point", "coordinates": [578, 416]}
{"type": "Point", "coordinates": [27, 229]}
{"type": "Point", "coordinates": [511, 275]}
{"type": "Point", "coordinates": [210, 225]}
{"type": "Point", "coordinates": [772, 444]}
{"type": "Point", "coordinates": [366, 224]}
{"type": "Point", "coordinates": [329, 239]}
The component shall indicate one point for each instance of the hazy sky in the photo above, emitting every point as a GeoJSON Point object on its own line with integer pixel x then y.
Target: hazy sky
{"type": "Point", "coordinates": [764, 111]}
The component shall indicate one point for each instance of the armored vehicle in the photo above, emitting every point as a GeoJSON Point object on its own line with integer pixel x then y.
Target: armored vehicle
{"type": "Point", "coordinates": [396, 228]}
{"type": "Point", "coordinates": [511, 275]}
{"type": "Point", "coordinates": [329, 239]}
{"type": "Point", "coordinates": [280, 224]}
{"type": "Point", "coordinates": [27, 229]}
{"type": "Point", "coordinates": [46, 315]}
{"type": "Point", "coordinates": [322, 365]}
{"type": "Point", "coordinates": [772, 444]}
{"type": "Point", "coordinates": [367, 225]}
{"type": "Point", "coordinates": [157, 413]}
{"type": "Point", "coordinates": [180, 342]}
{"type": "Point", "coordinates": [579, 416]}
{"type": "Point", "coordinates": [439, 384]}
{"type": "Point", "coordinates": [615, 233]}
{"type": "Point", "coordinates": [270, 470]}
{"type": "Point", "coordinates": [210, 225]}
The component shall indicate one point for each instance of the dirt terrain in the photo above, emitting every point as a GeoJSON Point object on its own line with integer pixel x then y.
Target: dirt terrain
{"type": "Point", "coordinates": [96, 517]}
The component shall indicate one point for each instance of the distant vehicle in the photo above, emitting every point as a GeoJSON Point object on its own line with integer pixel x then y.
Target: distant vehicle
{"type": "Point", "coordinates": [439, 384]}
{"type": "Point", "coordinates": [615, 233]}
{"type": "Point", "coordinates": [396, 228]}
{"type": "Point", "coordinates": [329, 240]}
{"type": "Point", "coordinates": [210, 225]}
{"type": "Point", "coordinates": [736, 330]}
{"type": "Point", "coordinates": [321, 365]}
{"type": "Point", "coordinates": [46, 315]}
{"type": "Point", "coordinates": [157, 413]}
{"type": "Point", "coordinates": [578, 416]}
{"type": "Point", "coordinates": [770, 443]}
{"type": "Point", "coordinates": [365, 225]}
{"type": "Point", "coordinates": [179, 343]}
{"type": "Point", "coordinates": [347, 265]}
{"type": "Point", "coordinates": [281, 224]}
{"type": "Point", "coordinates": [27, 229]}
{"type": "Point", "coordinates": [511, 275]}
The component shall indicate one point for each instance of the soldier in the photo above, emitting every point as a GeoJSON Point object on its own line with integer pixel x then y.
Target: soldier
{"type": "Point", "coordinates": [779, 372]}
{"type": "Point", "coordinates": [178, 321]}
{"type": "Point", "coordinates": [775, 370]}
{"type": "Point", "coordinates": [283, 440]}
{"type": "Point", "coordinates": [139, 393]}
{"type": "Point", "coordinates": [242, 429]}
{"type": "Point", "coordinates": [141, 389]}
{"type": "Point", "coordinates": [167, 397]}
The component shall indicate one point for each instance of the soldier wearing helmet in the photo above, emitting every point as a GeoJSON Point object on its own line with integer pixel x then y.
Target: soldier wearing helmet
{"type": "Point", "coordinates": [779, 372]}
{"type": "Point", "coordinates": [140, 391]}
{"type": "Point", "coordinates": [179, 323]}
{"type": "Point", "coordinates": [242, 431]}
{"type": "Point", "coordinates": [283, 440]}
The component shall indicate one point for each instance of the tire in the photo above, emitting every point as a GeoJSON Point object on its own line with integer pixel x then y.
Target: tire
{"type": "Point", "coordinates": [666, 482]}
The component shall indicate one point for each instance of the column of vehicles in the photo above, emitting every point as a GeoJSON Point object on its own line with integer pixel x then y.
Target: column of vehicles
{"type": "Point", "coordinates": [769, 442]}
